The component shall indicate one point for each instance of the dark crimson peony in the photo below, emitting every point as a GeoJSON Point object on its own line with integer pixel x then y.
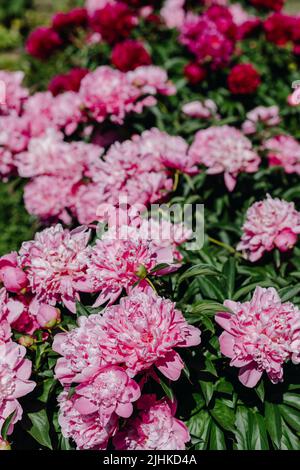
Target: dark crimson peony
{"type": "Point", "coordinates": [67, 82]}
{"type": "Point", "coordinates": [114, 22]}
{"type": "Point", "coordinates": [75, 18]}
{"type": "Point", "coordinates": [243, 79]}
{"type": "Point", "coordinates": [279, 28]}
{"type": "Point", "coordinates": [194, 73]}
{"type": "Point", "coordinates": [275, 5]}
{"type": "Point", "coordinates": [42, 42]}
{"type": "Point", "coordinates": [130, 54]}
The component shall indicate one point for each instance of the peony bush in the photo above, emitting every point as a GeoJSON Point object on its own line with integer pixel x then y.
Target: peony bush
{"type": "Point", "coordinates": [115, 331]}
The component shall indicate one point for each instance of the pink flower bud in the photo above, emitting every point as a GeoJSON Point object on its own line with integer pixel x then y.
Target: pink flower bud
{"type": "Point", "coordinates": [13, 278]}
{"type": "Point", "coordinates": [48, 316]}
{"type": "Point", "coordinates": [285, 240]}
{"type": "Point", "coordinates": [4, 445]}
{"type": "Point", "coordinates": [26, 341]}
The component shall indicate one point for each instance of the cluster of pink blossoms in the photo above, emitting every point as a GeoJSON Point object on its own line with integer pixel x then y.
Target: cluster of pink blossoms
{"type": "Point", "coordinates": [268, 116]}
{"type": "Point", "coordinates": [225, 150]}
{"type": "Point", "coordinates": [284, 151]}
{"type": "Point", "coordinates": [271, 223]}
{"type": "Point", "coordinates": [104, 94]}
{"type": "Point", "coordinates": [140, 169]}
{"type": "Point", "coordinates": [260, 335]}
{"type": "Point", "coordinates": [103, 355]}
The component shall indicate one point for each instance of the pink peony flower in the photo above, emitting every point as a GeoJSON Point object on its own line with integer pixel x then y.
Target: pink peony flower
{"type": "Point", "coordinates": [50, 197]}
{"type": "Point", "coordinates": [271, 223]}
{"type": "Point", "coordinates": [269, 116]}
{"type": "Point", "coordinates": [108, 93]}
{"type": "Point", "coordinates": [197, 109]}
{"type": "Point", "coordinates": [109, 391]}
{"type": "Point", "coordinates": [129, 55]}
{"type": "Point", "coordinates": [10, 311]}
{"type": "Point", "coordinates": [55, 263]}
{"type": "Point", "coordinates": [13, 278]}
{"type": "Point", "coordinates": [155, 428]}
{"type": "Point", "coordinates": [14, 381]}
{"type": "Point", "coordinates": [283, 150]}
{"type": "Point", "coordinates": [260, 335]}
{"type": "Point", "coordinates": [85, 429]}
{"type": "Point", "coordinates": [140, 332]}
{"type": "Point", "coordinates": [15, 93]}
{"type": "Point", "coordinates": [114, 21]}
{"type": "Point", "coordinates": [225, 150]}
{"type": "Point", "coordinates": [69, 81]}
{"type": "Point", "coordinates": [143, 331]}
{"type": "Point", "coordinates": [48, 316]}
{"type": "Point", "coordinates": [152, 80]}
{"type": "Point", "coordinates": [173, 13]}
{"type": "Point", "coordinates": [127, 253]}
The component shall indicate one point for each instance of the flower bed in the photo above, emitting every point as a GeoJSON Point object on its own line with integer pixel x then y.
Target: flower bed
{"type": "Point", "coordinates": [116, 332]}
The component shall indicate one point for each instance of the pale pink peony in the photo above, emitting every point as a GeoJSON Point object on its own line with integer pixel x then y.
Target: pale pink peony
{"type": "Point", "coordinates": [10, 311]}
{"type": "Point", "coordinates": [55, 263]}
{"type": "Point", "coordinates": [49, 197]}
{"type": "Point", "coordinates": [14, 138]}
{"type": "Point", "coordinates": [155, 428]}
{"type": "Point", "coordinates": [284, 150]}
{"type": "Point", "coordinates": [269, 116]}
{"type": "Point", "coordinates": [143, 331]}
{"type": "Point", "coordinates": [67, 112]}
{"type": "Point", "coordinates": [15, 93]}
{"type": "Point", "coordinates": [94, 5]}
{"type": "Point", "coordinates": [14, 381]}
{"type": "Point", "coordinates": [108, 93]}
{"type": "Point", "coordinates": [140, 332]}
{"type": "Point", "coordinates": [225, 150]}
{"type": "Point", "coordinates": [13, 278]}
{"type": "Point", "coordinates": [152, 80]}
{"type": "Point", "coordinates": [109, 391]}
{"type": "Point", "coordinates": [126, 254]}
{"type": "Point", "coordinates": [260, 335]}
{"type": "Point", "coordinates": [271, 223]}
{"type": "Point", "coordinates": [173, 13]}
{"type": "Point", "coordinates": [202, 110]}
{"type": "Point", "coordinates": [49, 154]}
{"type": "Point", "coordinates": [85, 429]}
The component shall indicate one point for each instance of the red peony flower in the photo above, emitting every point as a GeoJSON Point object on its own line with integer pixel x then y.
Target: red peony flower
{"type": "Point", "coordinates": [275, 5]}
{"type": "Point", "coordinates": [194, 73]}
{"type": "Point", "coordinates": [42, 42]}
{"type": "Point", "coordinates": [279, 28]}
{"type": "Point", "coordinates": [130, 54]}
{"type": "Point", "coordinates": [75, 18]}
{"type": "Point", "coordinates": [114, 22]}
{"type": "Point", "coordinates": [67, 82]}
{"type": "Point", "coordinates": [243, 79]}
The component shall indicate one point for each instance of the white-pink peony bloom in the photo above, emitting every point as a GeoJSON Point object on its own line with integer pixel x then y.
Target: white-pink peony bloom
{"type": "Point", "coordinates": [283, 150]}
{"type": "Point", "coordinates": [269, 116]}
{"type": "Point", "coordinates": [14, 381]}
{"type": "Point", "coordinates": [55, 263]}
{"type": "Point", "coordinates": [85, 429]}
{"type": "Point", "coordinates": [14, 93]}
{"type": "Point", "coordinates": [154, 428]}
{"type": "Point", "coordinates": [271, 223]}
{"type": "Point", "coordinates": [225, 150]}
{"type": "Point", "coordinates": [260, 335]}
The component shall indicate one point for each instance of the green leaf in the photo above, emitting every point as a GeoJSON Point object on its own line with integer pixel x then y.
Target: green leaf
{"type": "Point", "coordinates": [289, 441]}
{"type": "Point", "coordinates": [260, 391]}
{"type": "Point", "coordinates": [46, 388]}
{"type": "Point", "coordinates": [199, 427]}
{"type": "Point", "coordinates": [292, 399]}
{"type": "Point", "coordinates": [216, 438]}
{"type": "Point", "coordinates": [198, 270]}
{"type": "Point", "coordinates": [229, 274]}
{"type": "Point", "coordinates": [207, 389]}
{"type": "Point", "coordinates": [288, 294]}
{"type": "Point", "coordinates": [259, 439]}
{"type": "Point", "coordinates": [40, 428]}
{"type": "Point", "coordinates": [245, 290]}
{"type": "Point", "coordinates": [168, 391]}
{"type": "Point", "coordinates": [291, 416]}
{"type": "Point", "coordinates": [6, 424]}
{"type": "Point", "coordinates": [224, 415]}
{"type": "Point", "coordinates": [273, 423]}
